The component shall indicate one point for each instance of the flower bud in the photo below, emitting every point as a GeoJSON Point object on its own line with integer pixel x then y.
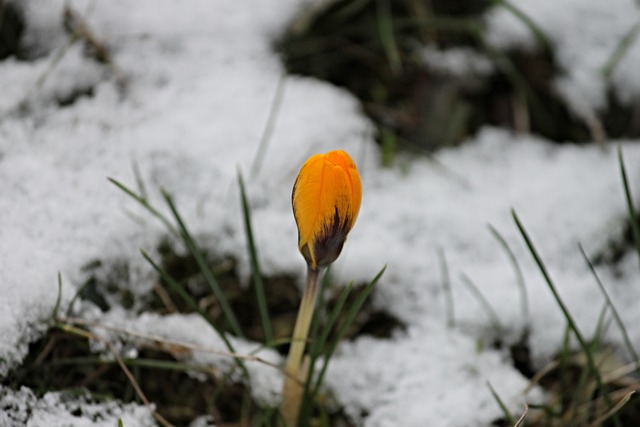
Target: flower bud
{"type": "Point", "coordinates": [326, 200]}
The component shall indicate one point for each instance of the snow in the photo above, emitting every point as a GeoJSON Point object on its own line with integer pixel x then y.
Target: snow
{"type": "Point", "coordinates": [193, 330]}
{"type": "Point", "coordinates": [458, 62]}
{"type": "Point", "coordinates": [23, 408]}
{"type": "Point", "coordinates": [200, 80]}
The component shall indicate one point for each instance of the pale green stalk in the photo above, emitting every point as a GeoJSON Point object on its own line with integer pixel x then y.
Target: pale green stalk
{"type": "Point", "coordinates": [295, 370]}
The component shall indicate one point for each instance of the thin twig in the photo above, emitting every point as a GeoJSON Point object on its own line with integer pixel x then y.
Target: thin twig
{"type": "Point", "coordinates": [535, 380]}
{"type": "Point", "coordinates": [162, 420]}
{"type": "Point", "coordinates": [165, 298]}
{"type": "Point", "coordinates": [269, 126]}
{"type": "Point", "coordinates": [524, 415]}
{"type": "Point", "coordinates": [446, 286]}
{"type": "Point", "coordinates": [134, 383]}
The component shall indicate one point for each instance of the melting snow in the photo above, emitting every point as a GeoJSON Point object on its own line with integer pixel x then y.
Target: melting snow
{"type": "Point", "coordinates": [201, 77]}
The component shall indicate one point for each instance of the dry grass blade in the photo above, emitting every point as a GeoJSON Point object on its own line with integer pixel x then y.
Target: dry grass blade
{"type": "Point", "coordinates": [535, 380]}
{"type": "Point", "coordinates": [446, 286]}
{"type": "Point", "coordinates": [616, 408]}
{"type": "Point", "coordinates": [522, 417]}
{"type": "Point", "coordinates": [136, 387]}
{"type": "Point", "coordinates": [78, 26]}
{"type": "Point", "coordinates": [620, 372]}
{"type": "Point", "coordinates": [166, 343]}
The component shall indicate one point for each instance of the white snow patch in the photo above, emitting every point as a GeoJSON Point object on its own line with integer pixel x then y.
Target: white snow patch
{"type": "Point", "coordinates": [458, 62]}
{"type": "Point", "coordinates": [208, 347]}
{"type": "Point", "coordinates": [201, 79]}
{"type": "Point", "coordinates": [23, 408]}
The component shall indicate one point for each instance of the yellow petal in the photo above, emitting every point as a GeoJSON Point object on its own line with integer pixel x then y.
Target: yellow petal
{"type": "Point", "coordinates": [326, 201]}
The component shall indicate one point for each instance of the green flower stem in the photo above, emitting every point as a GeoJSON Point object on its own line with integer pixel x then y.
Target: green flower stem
{"type": "Point", "coordinates": [295, 370]}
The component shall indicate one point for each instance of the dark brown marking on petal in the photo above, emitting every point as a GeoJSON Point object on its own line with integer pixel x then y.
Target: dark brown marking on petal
{"type": "Point", "coordinates": [306, 253]}
{"type": "Point", "coordinates": [295, 211]}
{"type": "Point", "coordinates": [293, 194]}
{"type": "Point", "coordinates": [329, 243]}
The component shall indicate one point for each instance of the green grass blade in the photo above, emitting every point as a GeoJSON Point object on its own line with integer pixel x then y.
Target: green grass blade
{"type": "Point", "coordinates": [389, 144]}
{"type": "Point", "coordinates": [351, 9]}
{"type": "Point", "coordinates": [535, 29]}
{"type": "Point", "coordinates": [387, 35]}
{"type": "Point", "coordinates": [601, 327]}
{"type": "Point", "coordinates": [255, 265]}
{"type": "Point", "coordinates": [510, 419]}
{"type": "Point", "coordinates": [145, 203]}
{"type": "Point", "coordinates": [565, 354]}
{"type": "Point", "coordinates": [320, 308]}
{"type": "Point", "coordinates": [195, 307]}
{"type": "Point", "coordinates": [316, 351]}
{"type": "Point", "coordinates": [524, 298]}
{"type": "Point", "coordinates": [518, 81]}
{"type": "Point", "coordinates": [633, 217]}
{"type": "Point", "coordinates": [142, 189]}
{"type": "Point", "coordinates": [621, 50]}
{"type": "Point", "coordinates": [264, 419]}
{"type": "Point", "coordinates": [351, 314]}
{"type": "Point", "coordinates": [204, 268]}
{"type": "Point", "coordinates": [446, 286]}
{"type": "Point", "coordinates": [333, 317]}
{"type": "Point", "coordinates": [565, 311]}
{"type": "Point", "coordinates": [577, 392]}
{"type": "Point", "coordinates": [324, 421]}
{"type": "Point", "coordinates": [76, 296]}
{"type": "Point", "coordinates": [491, 313]}
{"type": "Point", "coordinates": [614, 311]}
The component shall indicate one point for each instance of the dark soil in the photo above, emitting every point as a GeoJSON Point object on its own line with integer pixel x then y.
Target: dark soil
{"type": "Point", "coordinates": [419, 109]}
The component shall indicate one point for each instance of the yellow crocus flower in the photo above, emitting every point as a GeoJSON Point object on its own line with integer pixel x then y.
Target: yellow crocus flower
{"type": "Point", "coordinates": [326, 201]}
